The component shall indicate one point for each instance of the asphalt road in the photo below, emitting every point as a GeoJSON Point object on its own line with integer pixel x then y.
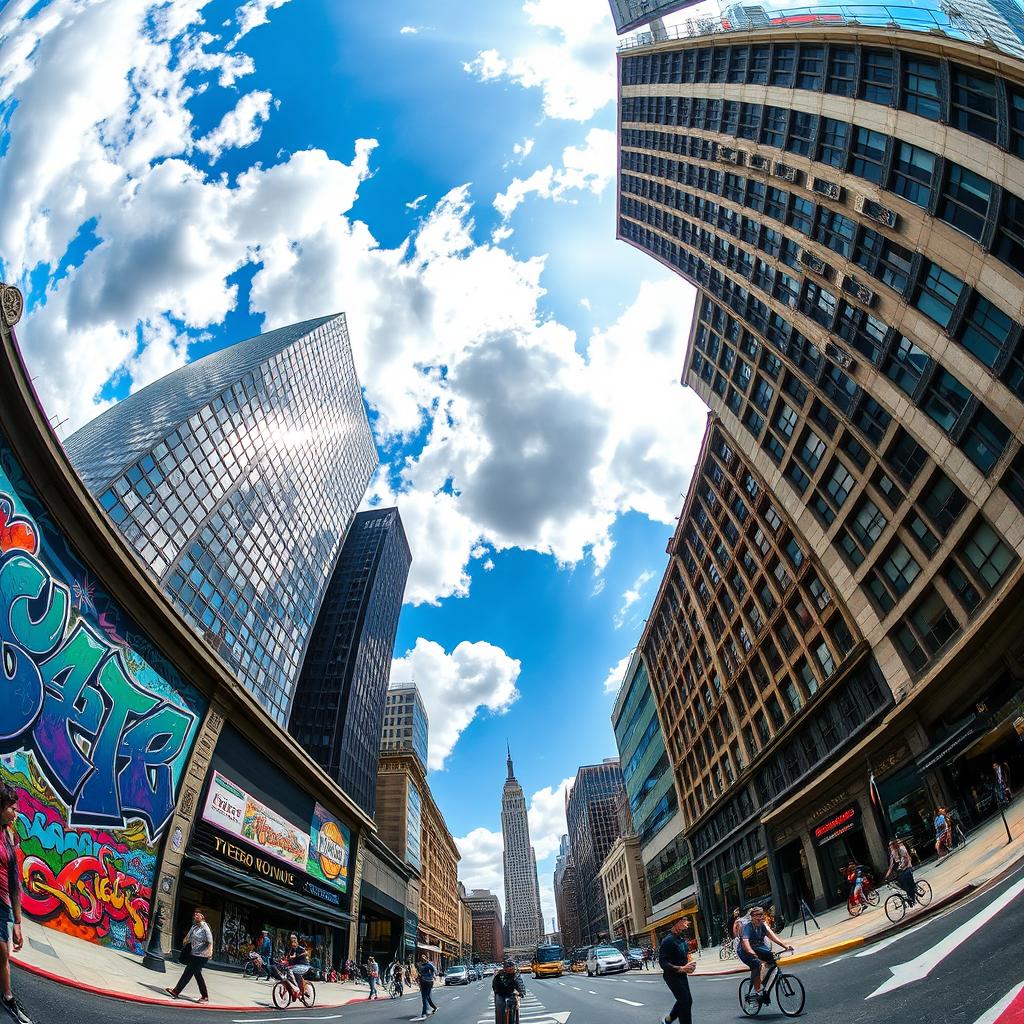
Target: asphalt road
{"type": "Point", "coordinates": [951, 968]}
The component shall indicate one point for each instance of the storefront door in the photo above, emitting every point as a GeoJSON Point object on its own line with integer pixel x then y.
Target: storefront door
{"type": "Point", "coordinates": [795, 878]}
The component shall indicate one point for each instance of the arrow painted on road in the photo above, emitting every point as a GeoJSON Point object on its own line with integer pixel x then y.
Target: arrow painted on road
{"type": "Point", "coordinates": [921, 966]}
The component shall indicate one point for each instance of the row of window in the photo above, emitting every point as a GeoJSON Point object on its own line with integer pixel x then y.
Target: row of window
{"type": "Point", "coordinates": [987, 107]}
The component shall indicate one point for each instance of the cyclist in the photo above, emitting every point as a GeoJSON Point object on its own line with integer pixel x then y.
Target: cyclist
{"type": "Point", "coordinates": [297, 964]}
{"type": "Point", "coordinates": [755, 950]}
{"type": "Point", "coordinates": [506, 984]}
{"type": "Point", "coordinates": [900, 862]}
{"type": "Point", "coordinates": [855, 878]}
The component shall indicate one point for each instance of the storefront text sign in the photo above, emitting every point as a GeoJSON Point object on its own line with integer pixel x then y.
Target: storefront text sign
{"type": "Point", "coordinates": [329, 846]}
{"type": "Point", "coordinates": [837, 824]}
{"type": "Point", "coordinates": [254, 862]}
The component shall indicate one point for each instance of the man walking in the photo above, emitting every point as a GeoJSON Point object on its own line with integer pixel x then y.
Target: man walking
{"type": "Point", "coordinates": [676, 967]}
{"type": "Point", "coordinates": [266, 952]}
{"type": "Point", "coordinates": [427, 973]}
{"type": "Point", "coordinates": [196, 950]}
{"type": "Point", "coordinates": [10, 901]}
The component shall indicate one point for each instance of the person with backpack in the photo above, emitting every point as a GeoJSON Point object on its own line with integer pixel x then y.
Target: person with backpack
{"type": "Point", "coordinates": [10, 901]}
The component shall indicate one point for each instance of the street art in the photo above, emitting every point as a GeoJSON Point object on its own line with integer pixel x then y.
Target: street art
{"type": "Point", "coordinates": [96, 730]}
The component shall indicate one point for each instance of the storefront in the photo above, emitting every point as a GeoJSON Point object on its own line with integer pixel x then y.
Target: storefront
{"type": "Point", "coordinates": [265, 855]}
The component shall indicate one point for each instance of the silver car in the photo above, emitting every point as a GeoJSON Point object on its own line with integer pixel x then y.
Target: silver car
{"type": "Point", "coordinates": [605, 960]}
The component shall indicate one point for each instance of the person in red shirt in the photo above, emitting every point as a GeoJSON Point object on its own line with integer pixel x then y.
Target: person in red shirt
{"type": "Point", "coordinates": [10, 901]}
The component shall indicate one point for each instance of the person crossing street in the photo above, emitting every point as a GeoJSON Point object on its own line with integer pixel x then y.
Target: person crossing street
{"type": "Point", "coordinates": [676, 966]}
{"type": "Point", "coordinates": [427, 973]}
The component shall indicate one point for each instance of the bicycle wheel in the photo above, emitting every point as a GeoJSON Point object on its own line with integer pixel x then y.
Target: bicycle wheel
{"type": "Point", "coordinates": [855, 908]}
{"type": "Point", "coordinates": [282, 997]}
{"type": "Point", "coordinates": [789, 994]}
{"type": "Point", "coordinates": [751, 1009]}
{"type": "Point", "coordinates": [309, 995]}
{"type": "Point", "coordinates": [895, 907]}
{"type": "Point", "coordinates": [249, 969]}
{"type": "Point", "coordinates": [924, 894]}
{"type": "Point", "coordinates": [871, 897]}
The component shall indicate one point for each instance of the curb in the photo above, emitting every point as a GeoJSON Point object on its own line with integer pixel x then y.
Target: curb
{"type": "Point", "coordinates": [152, 1000]}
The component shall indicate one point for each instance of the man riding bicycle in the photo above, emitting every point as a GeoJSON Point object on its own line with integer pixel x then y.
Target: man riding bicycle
{"type": "Point", "coordinates": [508, 988]}
{"type": "Point", "coordinates": [900, 862]}
{"type": "Point", "coordinates": [296, 965]}
{"type": "Point", "coordinates": [755, 949]}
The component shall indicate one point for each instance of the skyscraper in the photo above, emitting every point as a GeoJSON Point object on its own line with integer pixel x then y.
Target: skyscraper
{"type": "Point", "coordinates": [566, 897]}
{"type": "Point", "coordinates": [1000, 22]}
{"type": "Point", "coordinates": [234, 478]}
{"type": "Point", "coordinates": [406, 725]}
{"type": "Point", "coordinates": [590, 813]}
{"type": "Point", "coordinates": [523, 920]}
{"type": "Point", "coordinates": [339, 700]}
{"type": "Point", "coordinates": [839, 604]}
{"type": "Point", "coordinates": [488, 932]}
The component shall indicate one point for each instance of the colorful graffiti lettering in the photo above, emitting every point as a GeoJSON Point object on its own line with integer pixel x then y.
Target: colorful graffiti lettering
{"type": "Point", "coordinates": [94, 738]}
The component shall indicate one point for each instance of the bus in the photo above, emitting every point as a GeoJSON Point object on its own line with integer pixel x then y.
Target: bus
{"type": "Point", "coordinates": [547, 960]}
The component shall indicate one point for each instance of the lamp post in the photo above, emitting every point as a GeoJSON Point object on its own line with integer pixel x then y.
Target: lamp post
{"type": "Point", "coordinates": [154, 958]}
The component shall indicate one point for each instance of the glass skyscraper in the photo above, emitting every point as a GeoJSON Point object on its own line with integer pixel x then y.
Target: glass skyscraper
{"type": "Point", "coordinates": [339, 701]}
{"type": "Point", "coordinates": [234, 478]}
{"type": "Point", "coordinates": [405, 722]}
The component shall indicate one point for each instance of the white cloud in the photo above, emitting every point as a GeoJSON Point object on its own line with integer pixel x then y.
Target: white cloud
{"type": "Point", "coordinates": [475, 677]}
{"type": "Point", "coordinates": [631, 596]}
{"type": "Point", "coordinates": [586, 168]}
{"type": "Point", "coordinates": [520, 151]}
{"type": "Point", "coordinates": [415, 204]}
{"type": "Point", "coordinates": [570, 57]}
{"type": "Point", "coordinates": [482, 863]}
{"type": "Point", "coordinates": [613, 680]}
{"type": "Point", "coordinates": [252, 14]}
{"type": "Point", "coordinates": [240, 127]}
{"type": "Point", "coordinates": [409, 30]}
{"type": "Point", "coordinates": [547, 817]}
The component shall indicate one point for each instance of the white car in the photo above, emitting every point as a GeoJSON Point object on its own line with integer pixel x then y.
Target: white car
{"type": "Point", "coordinates": [605, 960]}
{"type": "Point", "coordinates": [456, 976]}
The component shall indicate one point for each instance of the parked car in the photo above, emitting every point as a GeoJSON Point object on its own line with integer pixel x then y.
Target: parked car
{"type": "Point", "coordinates": [474, 972]}
{"type": "Point", "coordinates": [635, 958]}
{"type": "Point", "coordinates": [605, 960]}
{"type": "Point", "coordinates": [456, 976]}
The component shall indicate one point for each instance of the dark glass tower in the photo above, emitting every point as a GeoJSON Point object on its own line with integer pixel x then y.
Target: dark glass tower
{"type": "Point", "coordinates": [234, 478]}
{"type": "Point", "coordinates": [339, 702]}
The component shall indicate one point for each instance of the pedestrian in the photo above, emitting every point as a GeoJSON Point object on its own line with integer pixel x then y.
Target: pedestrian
{"type": "Point", "coordinates": [373, 973]}
{"type": "Point", "coordinates": [10, 900]}
{"type": "Point", "coordinates": [1001, 773]}
{"type": "Point", "coordinates": [506, 984]}
{"type": "Point", "coordinates": [676, 967]}
{"type": "Point", "coordinates": [941, 832]}
{"type": "Point", "coordinates": [427, 973]}
{"type": "Point", "coordinates": [739, 919]}
{"type": "Point", "coordinates": [196, 950]}
{"type": "Point", "coordinates": [266, 953]}
{"type": "Point", "coordinates": [900, 862]}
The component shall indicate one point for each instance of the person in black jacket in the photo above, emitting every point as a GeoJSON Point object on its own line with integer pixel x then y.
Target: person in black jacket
{"type": "Point", "coordinates": [506, 983]}
{"type": "Point", "coordinates": [676, 966]}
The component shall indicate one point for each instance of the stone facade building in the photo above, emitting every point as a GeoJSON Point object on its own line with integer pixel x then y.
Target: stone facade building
{"type": "Point", "coordinates": [488, 932]}
{"type": "Point", "coordinates": [625, 891]}
{"type": "Point", "coordinates": [522, 893]}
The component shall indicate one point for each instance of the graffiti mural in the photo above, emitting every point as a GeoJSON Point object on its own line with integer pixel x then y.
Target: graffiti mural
{"type": "Point", "coordinates": [96, 730]}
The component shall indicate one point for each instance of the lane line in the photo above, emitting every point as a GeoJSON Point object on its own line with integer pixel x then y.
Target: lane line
{"type": "Point", "coordinates": [878, 947]}
{"type": "Point", "coordinates": [269, 1020]}
{"type": "Point", "coordinates": [628, 1002]}
{"type": "Point", "coordinates": [996, 1013]}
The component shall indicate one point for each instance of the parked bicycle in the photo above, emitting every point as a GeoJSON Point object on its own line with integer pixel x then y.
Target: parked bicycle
{"type": "Point", "coordinates": [897, 905]}
{"type": "Point", "coordinates": [287, 991]}
{"type": "Point", "coordinates": [786, 989]}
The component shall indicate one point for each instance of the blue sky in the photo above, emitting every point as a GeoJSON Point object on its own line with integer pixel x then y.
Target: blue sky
{"type": "Point", "coordinates": [177, 176]}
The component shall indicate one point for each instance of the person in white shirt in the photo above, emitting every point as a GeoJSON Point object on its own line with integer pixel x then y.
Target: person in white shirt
{"type": "Point", "coordinates": [196, 950]}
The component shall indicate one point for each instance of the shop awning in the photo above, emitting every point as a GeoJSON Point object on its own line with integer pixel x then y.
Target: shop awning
{"type": "Point", "coordinates": [955, 743]}
{"type": "Point", "coordinates": [428, 948]}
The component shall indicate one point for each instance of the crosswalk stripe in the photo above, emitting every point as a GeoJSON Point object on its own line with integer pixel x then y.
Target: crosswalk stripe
{"type": "Point", "coordinates": [628, 1002]}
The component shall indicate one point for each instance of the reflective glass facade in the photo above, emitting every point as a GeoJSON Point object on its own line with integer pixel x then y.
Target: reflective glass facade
{"type": "Point", "coordinates": [339, 701]}
{"type": "Point", "coordinates": [405, 722]}
{"type": "Point", "coordinates": [234, 479]}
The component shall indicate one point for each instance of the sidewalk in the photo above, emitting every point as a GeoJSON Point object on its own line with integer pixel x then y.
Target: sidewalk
{"type": "Point", "coordinates": [985, 855]}
{"type": "Point", "coordinates": [119, 975]}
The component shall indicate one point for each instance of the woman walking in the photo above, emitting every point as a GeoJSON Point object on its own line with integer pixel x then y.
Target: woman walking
{"type": "Point", "coordinates": [196, 950]}
{"type": "Point", "coordinates": [10, 901]}
{"type": "Point", "coordinates": [373, 971]}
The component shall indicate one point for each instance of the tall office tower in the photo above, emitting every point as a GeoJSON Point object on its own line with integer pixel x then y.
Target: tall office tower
{"type": "Point", "coordinates": [406, 724]}
{"type": "Point", "coordinates": [565, 897]}
{"type": "Point", "coordinates": [999, 22]}
{"type": "Point", "coordinates": [650, 798]}
{"type": "Point", "coordinates": [523, 920]}
{"type": "Point", "coordinates": [842, 598]}
{"type": "Point", "coordinates": [234, 478]}
{"type": "Point", "coordinates": [488, 937]}
{"type": "Point", "coordinates": [338, 712]}
{"type": "Point", "coordinates": [590, 813]}
{"type": "Point", "coordinates": [630, 14]}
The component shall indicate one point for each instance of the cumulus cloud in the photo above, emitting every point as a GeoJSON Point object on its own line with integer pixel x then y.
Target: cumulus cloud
{"type": "Point", "coordinates": [570, 57]}
{"type": "Point", "coordinates": [613, 680]}
{"type": "Point", "coordinates": [586, 168]}
{"type": "Point", "coordinates": [473, 678]}
{"type": "Point", "coordinates": [240, 127]}
{"type": "Point", "coordinates": [631, 596]}
{"type": "Point", "coordinates": [252, 14]}
{"type": "Point", "coordinates": [482, 863]}
{"type": "Point", "coordinates": [409, 30]}
{"type": "Point", "coordinates": [547, 817]}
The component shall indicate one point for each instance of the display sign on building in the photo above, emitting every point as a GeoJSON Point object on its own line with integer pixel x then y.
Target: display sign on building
{"type": "Point", "coordinates": [231, 808]}
{"type": "Point", "coordinates": [329, 844]}
{"type": "Point", "coordinates": [837, 824]}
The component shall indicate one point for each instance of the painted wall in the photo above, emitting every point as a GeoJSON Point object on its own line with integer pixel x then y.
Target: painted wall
{"type": "Point", "coordinates": [95, 731]}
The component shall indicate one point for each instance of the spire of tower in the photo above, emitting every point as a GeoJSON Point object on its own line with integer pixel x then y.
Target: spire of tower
{"type": "Point", "coordinates": [511, 774]}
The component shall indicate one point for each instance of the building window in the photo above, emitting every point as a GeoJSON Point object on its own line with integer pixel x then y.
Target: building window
{"type": "Point", "coordinates": [835, 138]}
{"type": "Point", "coordinates": [839, 483]}
{"type": "Point", "coordinates": [906, 457]}
{"type": "Point", "coordinates": [922, 87]}
{"type": "Point", "coordinates": [1016, 105]}
{"type": "Point", "coordinates": [842, 70]}
{"type": "Point", "coordinates": [987, 554]}
{"type": "Point", "coordinates": [802, 130]}
{"type": "Point", "coordinates": [835, 231]}
{"type": "Point", "coordinates": [878, 77]}
{"type": "Point", "coordinates": [893, 269]}
{"type": "Point", "coordinates": [760, 58]}
{"type": "Point", "coordinates": [810, 450]}
{"type": "Point", "coordinates": [1013, 479]}
{"type": "Point", "coordinates": [985, 439]}
{"type": "Point", "coordinates": [966, 200]}
{"type": "Point", "coordinates": [906, 365]}
{"type": "Point", "coordinates": [926, 630]}
{"type": "Point", "coordinates": [912, 173]}
{"type": "Point", "coordinates": [985, 331]}
{"type": "Point", "coordinates": [783, 66]}
{"type": "Point", "coordinates": [819, 304]}
{"type": "Point", "coordinates": [801, 214]}
{"type": "Point", "coordinates": [811, 68]}
{"type": "Point", "coordinates": [868, 154]}
{"type": "Point", "coordinates": [938, 293]}
{"type": "Point", "coordinates": [871, 420]}
{"type": "Point", "coordinates": [774, 126]}
{"type": "Point", "coordinates": [944, 399]}
{"type": "Point", "coordinates": [867, 524]}
{"type": "Point", "coordinates": [942, 501]}
{"type": "Point", "coordinates": [1009, 242]}
{"type": "Point", "coordinates": [975, 104]}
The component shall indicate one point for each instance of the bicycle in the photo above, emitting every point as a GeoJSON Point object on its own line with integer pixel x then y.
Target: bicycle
{"type": "Point", "coordinates": [284, 993]}
{"type": "Point", "coordinates": [868, 898]}
{"type": "Point", "coordinates": [511, 1010]}
{"type": "Point", "coordinates": [897, 905]}
{"type": "Point", "coordinates": [253, 965]}
{"type": "Point", "coordinates": [787, 988]}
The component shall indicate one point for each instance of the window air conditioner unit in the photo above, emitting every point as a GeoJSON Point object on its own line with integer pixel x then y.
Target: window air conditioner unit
{"type": "Point", "coordinates": [759, 163]}
{"type": "Point", "coordinates": [784, 171]}
{"type": "Point", "coordinates": [876, 211]}
{"type": "Point", "coordinates": [860, 292]}
{"type": "Point", "coordinates": [828, 189]}
{"type": "Point", "coordinates": [838, 356]}
{"type": "Point", "coordinates": [813, 262]}
{"type": "Point", "coordinates": [729, 155]}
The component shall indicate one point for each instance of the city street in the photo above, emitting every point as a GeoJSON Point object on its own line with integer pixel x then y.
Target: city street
{"type": "Point", "coordinates": [957, 965]}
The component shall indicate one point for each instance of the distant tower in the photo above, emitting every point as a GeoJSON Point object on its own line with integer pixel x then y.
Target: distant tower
{"type": "Point", "coordinates": [522, 893]}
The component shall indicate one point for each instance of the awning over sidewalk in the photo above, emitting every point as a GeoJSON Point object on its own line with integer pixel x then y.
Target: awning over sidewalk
{"type": "Point", "coordinates": [428, 948]}
{"type": "Point", "coordinates": [952, 745]}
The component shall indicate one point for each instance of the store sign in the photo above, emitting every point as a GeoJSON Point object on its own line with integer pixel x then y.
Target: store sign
{"type": "Point", "coordinates": [837, 824]}
{"type": "Point", "coordinates": [231, 808]}
{"type": "Point", "coordinates": [329, 845]}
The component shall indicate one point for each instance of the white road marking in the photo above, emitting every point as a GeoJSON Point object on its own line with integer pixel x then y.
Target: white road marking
{"type": "Point", "coordinates": [837, 959]}
{"type": "Point", "coordinates": [269, 1020]}
{"type": "Point", "coordinates": [993, 1013]}
{"type": "Point", "coordinates": [591, 991]}
{"type": "Point", "coordinates": [889, 941]}
{"type": "Point", "coordinates": [628, 1002]}
{"type": "Point", "coordinates": [921, 966]}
